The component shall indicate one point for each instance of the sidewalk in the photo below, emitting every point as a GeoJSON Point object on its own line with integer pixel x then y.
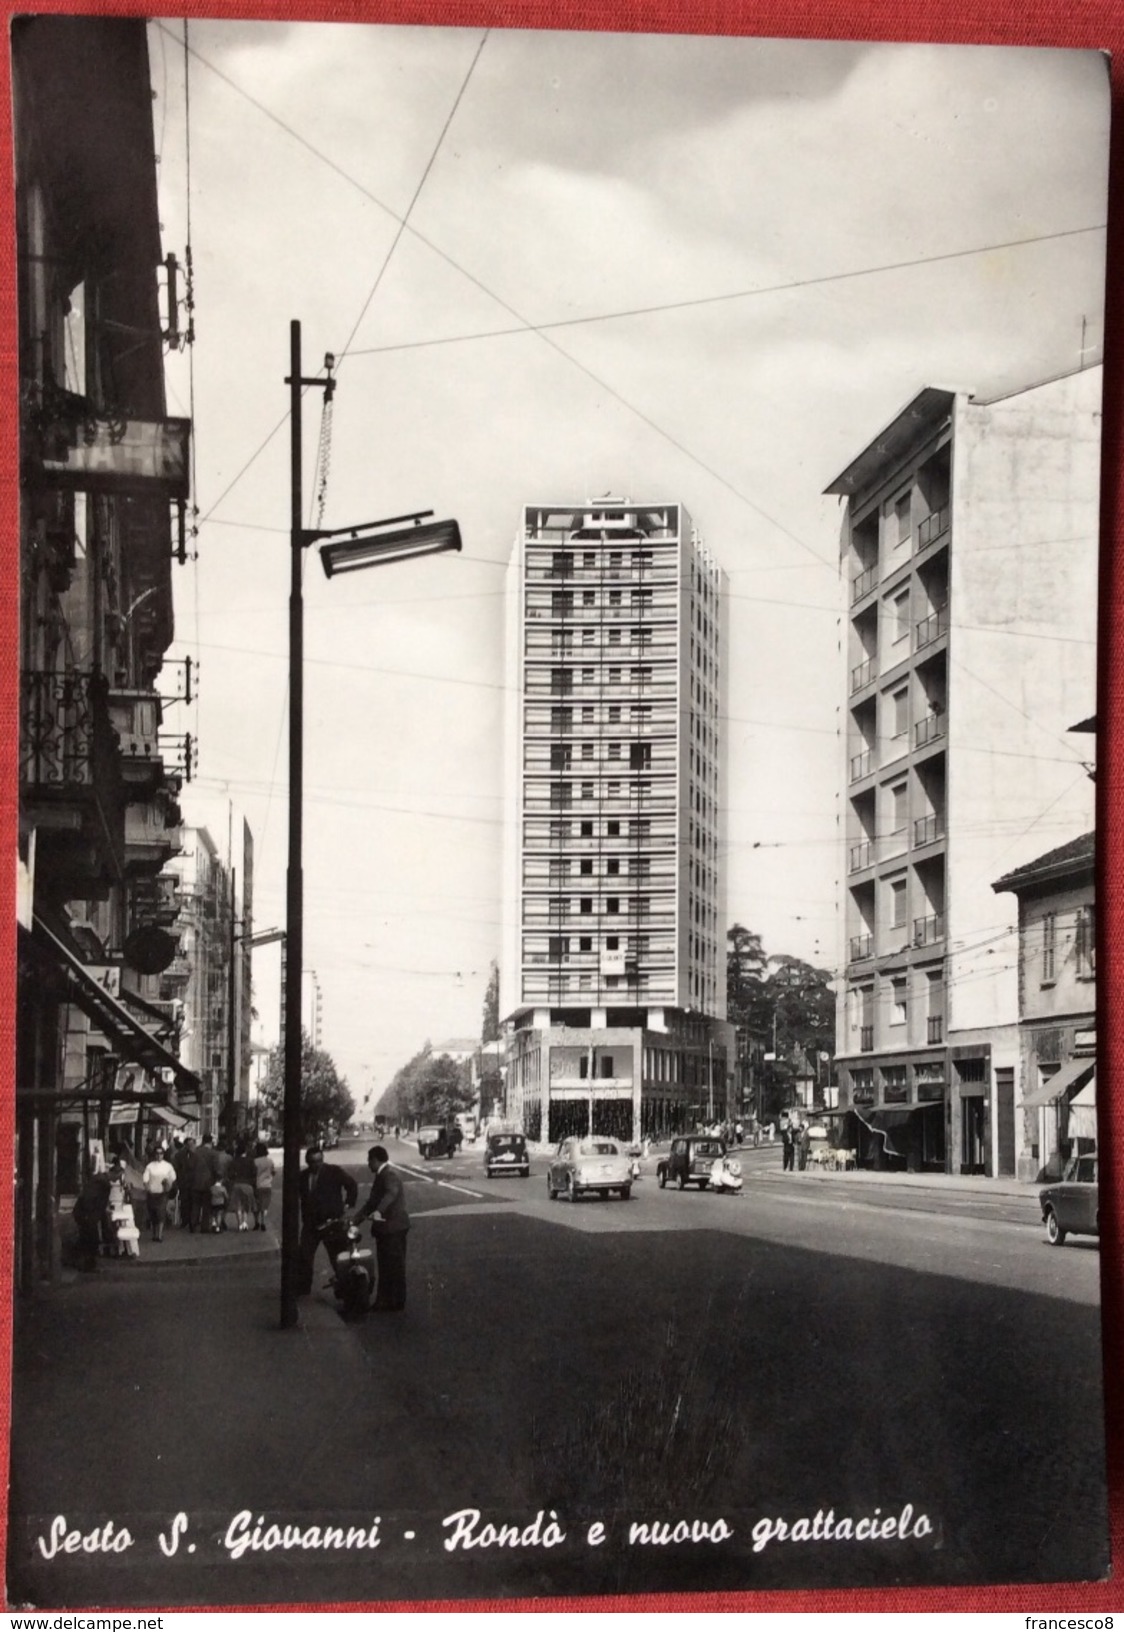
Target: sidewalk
{"type": "Point", "coordinates": [964, 1184]}
{"type": "Point", "coordinates": [187, 1247]}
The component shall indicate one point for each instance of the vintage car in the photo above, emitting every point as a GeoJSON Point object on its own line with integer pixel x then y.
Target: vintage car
{"type": "Point", "coordinates": [506, 1153]}
{"type": "Point", "coordinates": [434, 1141]}
{"type": "Point", "coordinates": [595, 1164]}
{"type": "Point", "coordinates": [689, 1161]}
{"type": "Point", "coordinates": [1069, 1207]}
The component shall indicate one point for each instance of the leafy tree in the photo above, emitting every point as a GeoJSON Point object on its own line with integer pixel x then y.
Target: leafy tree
{"type": "Point", "coordinates": [326, 1102]}
{"type": "Point", "coordinates": [747, 1004]}
{"type": "Point", "coordinates": [429, 1088]}
{"type": "Point", "coordinates": [490, 1029]}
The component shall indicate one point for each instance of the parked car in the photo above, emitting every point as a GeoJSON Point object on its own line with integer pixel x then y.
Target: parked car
{"type": "Point", "coordinates": [596, 1163]}
{"type": "Point", "coordinates": [689, 1160]}
{"type": "Point", "coordinates": [506, 1153]}
{"type": "Point", "coordinates": [435, 1141]}
{"type": "Point", "coordinates": [1069, 1207]}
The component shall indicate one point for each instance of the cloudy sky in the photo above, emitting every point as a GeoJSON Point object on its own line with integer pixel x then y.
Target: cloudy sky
{"type": "Point", "coordinates": [555, 265]}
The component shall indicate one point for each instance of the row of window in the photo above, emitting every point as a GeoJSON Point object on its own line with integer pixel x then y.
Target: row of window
{"type": "Point", "coordinates": [639, 867]}
{"type": "Point", "coordinates": [639, 754]}
{"type": "Point", "coordinates": [638, 827]}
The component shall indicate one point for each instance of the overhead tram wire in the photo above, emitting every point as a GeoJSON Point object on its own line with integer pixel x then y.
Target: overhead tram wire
{"type": "Point", "coordinates": [539, 329]}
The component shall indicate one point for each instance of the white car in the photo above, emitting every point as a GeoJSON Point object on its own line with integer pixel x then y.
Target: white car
{"type": "Point", "coordinates": [593, 1164]}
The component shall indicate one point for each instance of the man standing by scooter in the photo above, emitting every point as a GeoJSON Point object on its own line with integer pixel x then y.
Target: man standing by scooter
{"type": "Point", "coordinates": [390, 1224]}
{"type": "Point", "coordinates": [326, 1192]}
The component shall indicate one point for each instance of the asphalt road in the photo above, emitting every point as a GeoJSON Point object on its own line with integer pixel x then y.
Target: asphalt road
{"type": "Point", "coordinates": [716, 1361]}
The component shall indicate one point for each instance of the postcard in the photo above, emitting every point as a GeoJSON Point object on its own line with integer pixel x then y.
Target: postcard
{"type": "Point", "coordinates": [568, 1068]}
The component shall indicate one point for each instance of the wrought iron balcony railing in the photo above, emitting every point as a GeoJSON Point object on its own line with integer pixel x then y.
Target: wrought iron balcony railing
{"type": "Point", "coordinates": [932, 627]}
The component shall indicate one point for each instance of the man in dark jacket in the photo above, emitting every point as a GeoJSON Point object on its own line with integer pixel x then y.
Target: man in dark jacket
{"type": "Point", "coordinates": [390, 1224]}
{"type": "Point", "coordinates": [202, 1177]}
{"type": "Point", "coordinates": [326, 1192]}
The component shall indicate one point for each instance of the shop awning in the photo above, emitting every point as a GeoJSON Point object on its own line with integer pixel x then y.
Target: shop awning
{"type": "Point", "coordinates": [174, 1119]}
{"type": "Point", "coordinates": [1083, 1112]}
{"type": "Point", "coordinates": [1058, 1086]}
{"type": "Point", "coordinates": [134, 1043]}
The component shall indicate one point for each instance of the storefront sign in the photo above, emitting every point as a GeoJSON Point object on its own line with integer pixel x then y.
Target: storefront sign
{"type": "Point", "coordinates": [123, 454]}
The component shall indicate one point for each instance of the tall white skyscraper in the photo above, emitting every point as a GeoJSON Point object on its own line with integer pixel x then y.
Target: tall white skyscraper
{"type": "Point", "coordinates": [613, 968]}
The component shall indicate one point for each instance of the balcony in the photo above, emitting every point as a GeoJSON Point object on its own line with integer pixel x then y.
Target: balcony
{"type": "Point", "coordinates": [863, 584]}
{"type": "Point", "coordinates": [930, 729]}
{"type": "Point", "coordinates": [861, 855]}
{"type": "Point", "coordinates": [70, 778]}
{"type": "Point", "coordinates": [135, 716]}
{"type": "Point", "coordinates": [862, 674]}
{"type": "Point", "coordinates": [933, 528]}
{"type": "Point", "coordinates": [927, 931]}
{"type": "Point", "coordinates": [932, 627]}
{"type": "Point", "coordinates": [866, 1039]}
{"type": "Point", "coordinates": [862, 946]}
{"type": "Point", "coordinates": [861, 765]}
{"type": "Point", "coordinates": [928, 829]}
{"type": "Point", "coordinates": [935, 1029]}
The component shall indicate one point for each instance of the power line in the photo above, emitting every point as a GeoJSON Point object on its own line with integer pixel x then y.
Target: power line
{"type": "Point", "coordinates": [736, 294]}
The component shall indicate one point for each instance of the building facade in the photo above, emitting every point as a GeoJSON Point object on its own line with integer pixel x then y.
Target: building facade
{"type": "Point", "coordinates": [969, 557]}
{"type": "Point", "coordinates": [102, 472]}
{"type": "Point", "coordinates": [613, 974]}
{"type": "Point", "coordinates": [1056, 894]}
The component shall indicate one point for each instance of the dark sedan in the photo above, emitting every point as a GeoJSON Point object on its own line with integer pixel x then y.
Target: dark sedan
{"type": "Point", "coordinates": [1070, 1206]}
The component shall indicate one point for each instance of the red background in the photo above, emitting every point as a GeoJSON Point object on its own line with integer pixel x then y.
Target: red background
{"type": "Point", "coordinates": [1095, 24]}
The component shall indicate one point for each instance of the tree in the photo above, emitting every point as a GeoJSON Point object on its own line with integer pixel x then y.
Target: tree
{"type": "Point", "coordinates": [747, 1003]}
{"type": "Point", "coordinates": [803, 1006]}
{"type": "Point", "coordinates": [490, 1028]}
{"type": "Point", "coordinates": [326, 1104]}
{"type": "Point", "coordinates": [428, 1088]}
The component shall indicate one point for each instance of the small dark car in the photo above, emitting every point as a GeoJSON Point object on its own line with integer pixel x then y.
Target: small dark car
{"type": "Point", "coordinates": [506, 1153]}
{"type": "Point", "coordinates": [435, 1141]}
{"type": "Point", "coordinates": [689, 1161]}
{"type": "Point", "coordinates": [1070, 1206]}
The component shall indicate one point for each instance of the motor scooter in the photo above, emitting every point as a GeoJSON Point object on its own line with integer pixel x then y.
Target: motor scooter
{"type": "Point", "coordinates": [353, 1279]}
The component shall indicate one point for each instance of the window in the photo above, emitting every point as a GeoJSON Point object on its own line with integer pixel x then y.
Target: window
{"type": "Point", "coordinates": [589, 637]}
{"type": "Point", "coordinates": [585, 867]}
{"type": "Point", "coordinates": [614, 713]}
{"type": "Point", "coordinates": [640, 756]}
{"type": "Point", "coordinates": [587, 713]}
{"type": "Point", "coordinates": [587, 790]}
{"type": "Point", "coordinates": [612, 943]}
{"type": "Point", "coordinates": [614, 750]}
{"type": "Point", "coordinates": [1049, 946]}
{"type": "Point", "coordinates": [560, 755]}
{"type": "Point", "coordinates": [587, 679]}
{"type": "Point", "coordinates": [589, 559]}
{"type": "Point", "coordinates": [614, 637]}
{"type": "Point", "coordinates": [562, 681]}
{"type": "Point", "coordinates": [587, 750]}
{"type": "Point", "coordinates": [585, 943]}
{"type": "Point", "coordinates": [561, 719]}
{"type": "Point", "coordinates": [612, 903]}
{"type": "Point", "coordinates": [894, 1082]}
{"type": "Point", "coordinates": [640, 827]}
{"type": "Point", "coordinates": [902, 519]}
{"type": "Point", "coordinates": [561, 603]}
{"type": "Point", "coordinates": [589, 597]}
{"type": "Point", "coordinates": [561, 564]}
{"type": "Point", "coordinates": [897, 902]}
{"type": "Point", "coordinates": [613, 865]}
{"type": "Point", "coordinates": [585, 905]}
{"type": "Point", "coordinates": [614, 597]}
{"type": "Point", "coordinates": [899, 704]}
{"type": "Point", "coordinates": [558, 947]}
{"type": "Point", "coordinates": [898, 1001]}
{"type": "Point", "coordinates": [613, 830]}
{"type": "Point", "coordinates": [586, 831]}
{"type": "Point", "coordinates": [614, 677]}
{"type": "Point", "coordinates": [1084, 943]}
{"type": "Point", "coordinates": [899, 803]}
{"type": "Point", "coordinates": [899, 611]}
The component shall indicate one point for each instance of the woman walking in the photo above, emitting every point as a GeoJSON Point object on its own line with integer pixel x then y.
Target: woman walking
{"type": "Point", "coordinates": [159, 1180]}
{"type": "Point", "coordinates": [263, 1184]}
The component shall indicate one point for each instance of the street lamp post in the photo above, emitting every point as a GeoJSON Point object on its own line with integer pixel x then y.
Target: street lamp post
{"type": "Point", "coordinates": [344, 549]}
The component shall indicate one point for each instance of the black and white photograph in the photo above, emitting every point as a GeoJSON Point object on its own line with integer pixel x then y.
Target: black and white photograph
{"type": "Point", "coordinates": [566, 1068]}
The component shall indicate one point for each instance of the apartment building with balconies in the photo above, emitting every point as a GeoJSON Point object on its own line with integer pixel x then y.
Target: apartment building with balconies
{"type": "Point", "coordinates": [613, 974]}
{"type": "Point", "coordinates": [102, 472]}
{"type": "Point", "coordinates": [969, 566]}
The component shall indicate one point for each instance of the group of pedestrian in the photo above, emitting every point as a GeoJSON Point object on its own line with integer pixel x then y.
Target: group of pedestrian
{"type": "Point", "coordinates": [214, 1180]}
{"type": "Point", "coordinates": [327, 1192]}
